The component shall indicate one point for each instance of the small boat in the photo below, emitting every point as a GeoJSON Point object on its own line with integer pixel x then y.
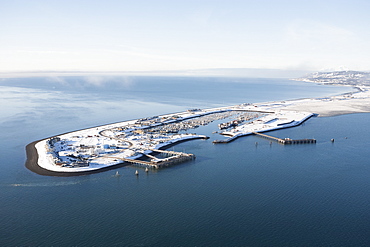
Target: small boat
{"type": "Point", "coordinates": [146, 169]}
{"type": "Point", "coordinates": [117, 174]}
{"type": "Point", "coordinates": [136, 172]}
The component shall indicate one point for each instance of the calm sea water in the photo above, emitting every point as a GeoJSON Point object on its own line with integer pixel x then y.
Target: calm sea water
{"type": "Point", "coordinates": [239, 194]}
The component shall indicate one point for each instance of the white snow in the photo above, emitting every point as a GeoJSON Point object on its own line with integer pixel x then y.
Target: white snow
{"type": "Point", "coordinates": [90, 148]}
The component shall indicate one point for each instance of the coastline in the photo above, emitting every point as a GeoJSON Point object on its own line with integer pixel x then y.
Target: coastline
{"type": "Point", "coordinates": [32, 164]}
{"type": "Point", "coordinates": [348, 103]}
{"type": "Point", "coordinates": [352, 102]}
{"type": "Point", "coordinates": [33, 156]}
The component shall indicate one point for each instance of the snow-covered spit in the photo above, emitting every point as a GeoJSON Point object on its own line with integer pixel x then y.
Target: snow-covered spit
{"type": "Point", "coordinates": [352, 102]}
{"type": "Point", "coordinates": [100, 147]}
{"type": "Point", "coordinates": [356, 101]}
{"type": "Point", "coordinates": [103, 146]}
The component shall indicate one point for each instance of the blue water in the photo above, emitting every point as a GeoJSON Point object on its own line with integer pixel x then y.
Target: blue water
{"type": "Point", "coordinates": [239, 194]}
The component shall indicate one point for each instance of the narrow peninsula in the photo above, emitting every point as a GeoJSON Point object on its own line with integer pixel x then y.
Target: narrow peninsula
{"type": "Point", "coordinates": [143, 141]}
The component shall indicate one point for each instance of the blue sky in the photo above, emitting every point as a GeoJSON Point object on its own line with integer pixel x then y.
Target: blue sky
{"type": "Point", "coordinates": [179, 35]}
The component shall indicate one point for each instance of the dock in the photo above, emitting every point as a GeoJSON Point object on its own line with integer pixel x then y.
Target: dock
{"type": "Point", "coordinates": [171, 159]}
{"type": "Point", "coordinates": [285, 140]}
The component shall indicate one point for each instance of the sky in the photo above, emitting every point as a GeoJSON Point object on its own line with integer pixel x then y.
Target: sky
{"type": "Point", "coordinates": [161, 35]}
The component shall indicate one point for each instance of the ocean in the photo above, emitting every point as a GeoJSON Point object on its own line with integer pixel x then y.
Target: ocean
{"type": "Point", "coordinates": [245, 193]}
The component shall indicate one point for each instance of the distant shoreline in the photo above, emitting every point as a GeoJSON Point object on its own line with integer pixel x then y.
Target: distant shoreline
{"type": "Point", "coordinates": [347, 103]}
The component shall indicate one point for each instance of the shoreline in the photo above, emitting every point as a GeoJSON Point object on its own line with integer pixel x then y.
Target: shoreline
{"type": "Point", "coordinates": [33, 156]}
{"type": "Point", "coordinates": [347, 103]}
{"type": "Point", "coordinates": [32, 164]}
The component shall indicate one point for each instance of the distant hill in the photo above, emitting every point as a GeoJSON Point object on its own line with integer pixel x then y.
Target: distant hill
{"type": "Point", "coordinates": [352, 78]}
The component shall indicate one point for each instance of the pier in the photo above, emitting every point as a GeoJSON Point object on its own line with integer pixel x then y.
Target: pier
{"type": "Point", "coordinates": [172, 159]}
{"type": "Point", "coordinates": [285, 140]}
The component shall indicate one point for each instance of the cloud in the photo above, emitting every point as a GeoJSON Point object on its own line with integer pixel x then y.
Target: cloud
{"type": "Point", "coordinates": [316, 35]}
{"type": "Point", "coordinates": [314, 44]}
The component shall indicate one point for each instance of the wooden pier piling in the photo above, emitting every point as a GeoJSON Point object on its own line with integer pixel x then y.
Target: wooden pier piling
{"type": "Point", "coordinates": [285, 140]}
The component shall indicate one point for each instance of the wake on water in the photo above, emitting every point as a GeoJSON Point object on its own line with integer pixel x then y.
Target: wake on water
{"type": "Point", "coordinates": [60, 183]}
{"type": "Point", "coordinates": [45, 184]}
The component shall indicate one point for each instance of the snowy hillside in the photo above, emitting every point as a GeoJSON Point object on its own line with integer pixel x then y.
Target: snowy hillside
{"type": "Point", "coordinates": [353, 78]}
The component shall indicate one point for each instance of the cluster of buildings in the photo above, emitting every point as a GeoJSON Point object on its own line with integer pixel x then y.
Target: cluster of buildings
{"type": "Point", "coordinates": [111, 144]}
{"type": "Point", "coordinates": [108, 145]}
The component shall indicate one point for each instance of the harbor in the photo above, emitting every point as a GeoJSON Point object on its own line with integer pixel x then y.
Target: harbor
{"type": "Point", "coordinates": [140, 142]}
{"type": "Point", "coordinates": [268, 122]}
{"type": "Point", "coordinates": [288, 180]}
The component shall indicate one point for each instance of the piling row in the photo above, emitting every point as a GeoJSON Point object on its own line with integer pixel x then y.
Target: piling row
{"type": "Point", "coordinates": [301, 141]}
{"type": "Point", "coordinates": [285, 140]}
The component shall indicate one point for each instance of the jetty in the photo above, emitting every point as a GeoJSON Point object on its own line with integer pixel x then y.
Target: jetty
{"type": "Point", "coordinates": [285, 140]}
{"type": "Point", "coordinates": [230, 139]}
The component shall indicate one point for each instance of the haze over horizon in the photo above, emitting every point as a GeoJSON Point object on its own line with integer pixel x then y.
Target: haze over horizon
{"type": "Point", "coordinates": [175, 35]}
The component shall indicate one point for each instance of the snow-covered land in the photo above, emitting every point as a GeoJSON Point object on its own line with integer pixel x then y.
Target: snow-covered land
{"type": "Point", "coordinates": [273, 121]}
{"type": "Point", "coordinates": [108, 145]}
{"type": "Point", "coordinates": [349, 78]}
{"type": "Point", "coordinates": [103, 146]}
